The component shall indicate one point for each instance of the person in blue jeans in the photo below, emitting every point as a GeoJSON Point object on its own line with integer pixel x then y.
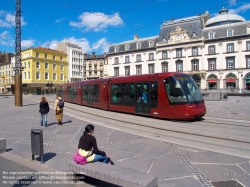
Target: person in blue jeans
{"type": "Point", "coordinates": [44, 110]}
{"type": "Point", "coordinates": [87, 147]}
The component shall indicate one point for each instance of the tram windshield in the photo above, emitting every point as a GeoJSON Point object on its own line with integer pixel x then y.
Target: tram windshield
{"type": "Point", "coordinates": [182, 89]}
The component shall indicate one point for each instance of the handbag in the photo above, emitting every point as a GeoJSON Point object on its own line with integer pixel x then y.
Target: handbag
{"type": "Point", "coordinates": [80, 159]}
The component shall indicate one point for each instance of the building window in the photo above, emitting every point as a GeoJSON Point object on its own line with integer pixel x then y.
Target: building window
{"type": "Point", "coordinates": [164, 67]}
{"type": "Point", "coordinates": [54, 76]}
{"type": "Point", "coordinates": [151, 56]}
{"type": "Point", "coordinates": [230, 63]}
{"type": "Point", "coordinates": [61, 67]}
{"type": "Point", "coordinates": [25, 75]}
{"type": "Point", "coordinates": [127, 70]}
{"type": "Point", "coordinates": [54, 57]}
{"type": "Point", "coordinates": [211, 35]}
{"type": "Point", "coordinates": [54, 66]}
{"type": "Point", "coordinates": [138, 70]}
{"type": "Point", "coordinates": [151, 68]}
{"type": "Point", "coordinates": [164, 54]}
{"type": "Point", "coordinates": [212, 64]}
{"type": "Point", "coordinates": [211, 49]}
{"type": "Point", "coordinates": [116, 60]}
{"type": "Point", "coordinates": [62, 77]}
{"type": "Point", "coordinates": [46, 56]}
{"type": "Point", "coordinates": [37, 75]}
{"type": "Point", "coordinates": [37, 55]}
{"type": "Point", "coordinates": [126, 59]}
{"type": "Point", "coordinates": [28, 64]}
{"type": "Point", "coordinates": [126, 47]}
{"type": "Point", "coordinates": [138, 58]}
{"type": "Point", "coordinates": [25, 64]}
{"type": "Point", "coordinates": [116, 49]}
{"type": "Point", "coordinates": [179, 67]}
{"type": "Point", "coordinates": [46, 76]}
{"type": "Point", "coordinates": [248, 45]}
{"type": "Point", "coordinates": [37, 64]}
{"type": "Point", "coordinates": [248, 62]}
{"type": "Point", "coordinates": [46, 65]}
{"type": "Point", "coordinates": [138, 46]}
{"type": "Point", "coordinates": [116, 71]}
{"type": "Point", "coordinates": [194, 51]}
{"type": "Point", "coordinates": [178, 52]}
{"type": "Point", "coordinates": [230, 32]}
{"type": "Point", "coordinates": [230, 47]}
{"type": "Point", "coordinates": [151, 44]}
{"type": "Point", "coordinates": [28, 75]}
{"type": "Point", "coordinates": [195, 65]}
{"type": "Point", "coordinates": [61, 58]}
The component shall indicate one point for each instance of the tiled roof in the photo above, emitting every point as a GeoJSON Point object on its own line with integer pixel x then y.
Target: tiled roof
{"type": "Point", "coordinates": [48, 49]}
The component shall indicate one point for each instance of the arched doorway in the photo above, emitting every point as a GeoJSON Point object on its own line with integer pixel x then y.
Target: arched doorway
{"type": "Point", "coordinates": [197, 79]}
{"type": "Point", "coordinates": [230, 81]}
{"type": "Point", "coordinates": [212, 81]}
{"type": "Point", "coordinates": [248, 81]}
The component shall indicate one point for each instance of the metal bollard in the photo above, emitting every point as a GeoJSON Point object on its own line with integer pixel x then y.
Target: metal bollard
{"type": "Point", "coordinates": [37, 143]}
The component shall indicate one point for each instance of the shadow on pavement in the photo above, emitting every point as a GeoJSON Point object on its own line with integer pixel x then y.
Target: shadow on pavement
{"type": "Point", "coordinates": [69, 121]}
{"type": "Point", "coordinates": [32, 104]}
{"type": "Point", "coordinates": [46, 157]}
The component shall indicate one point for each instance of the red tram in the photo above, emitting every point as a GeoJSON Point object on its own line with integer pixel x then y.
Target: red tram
{"type": "Point", "coordinates": [169, 95]}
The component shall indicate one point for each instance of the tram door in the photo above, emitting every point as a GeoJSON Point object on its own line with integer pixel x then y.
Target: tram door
{"type": "Point", "coordinates": [142, 98]}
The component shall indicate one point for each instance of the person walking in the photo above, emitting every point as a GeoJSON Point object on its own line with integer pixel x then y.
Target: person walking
{"type": "Point", "coordinates": [44, 110]}
{"type": "Point", "coordinates": [87, 147]}
{"type": "Point", "coordinates": [59, 104]}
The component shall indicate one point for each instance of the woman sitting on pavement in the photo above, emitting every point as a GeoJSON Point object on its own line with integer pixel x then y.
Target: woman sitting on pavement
{"type": "Point", "coordinates": [88, 146]}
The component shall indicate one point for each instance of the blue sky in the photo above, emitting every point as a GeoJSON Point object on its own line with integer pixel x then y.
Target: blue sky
{"type": "Point", "coordinates": [94, 24]}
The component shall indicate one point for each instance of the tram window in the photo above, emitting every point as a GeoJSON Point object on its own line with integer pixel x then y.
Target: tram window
{"type": "Point", "coordinates": [95, 92]}
{"type": "Point", "coordinates": [154, 95]}
{"type": "Point", "coordinates": [115, 93]}
{"type": "Point", "coordinates": [174, 91]}
{"type": "Point", "coordinates": [127, 96]}
{"type": "Point", "coordinates": [85, 92]}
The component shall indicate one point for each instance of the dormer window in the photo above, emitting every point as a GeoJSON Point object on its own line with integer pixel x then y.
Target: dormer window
{"type": "Point", "coordinates": [126, 47]}
{"type": "Point", "coordinates": [211, 35]}
{"type": "Point", "coordinates": [230, 32]}
{"type": "Point", "coordinates": [151, 44]}
{"type": "Point", "coordinates": [116, 49]}
{"type": "Point", "coordinates": [138, 46]}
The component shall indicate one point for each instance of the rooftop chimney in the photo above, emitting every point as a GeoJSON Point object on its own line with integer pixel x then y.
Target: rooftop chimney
{"type": "Point", "coordinates": [136, 37]}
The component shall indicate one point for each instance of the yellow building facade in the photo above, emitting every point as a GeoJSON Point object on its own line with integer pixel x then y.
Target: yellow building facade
{"type": "Point", "coordinates": [44, 69]}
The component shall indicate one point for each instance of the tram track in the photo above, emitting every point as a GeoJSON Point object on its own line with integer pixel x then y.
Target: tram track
{"type": "Point", "coordinates": [174, 132]}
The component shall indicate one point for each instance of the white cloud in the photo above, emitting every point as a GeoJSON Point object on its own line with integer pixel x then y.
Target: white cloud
{"type": "Point", "coordinates": [101, 44]}
{"type": "Point", "coordinates": [242, 8]}
{"type": "Point", "coordinates": [82, 42]}
{"type": "Point", "coordinates": [9, 20]}
{"type": "Point", "coordinates": [6, 39]}
{"type": "Point", "coordinates": [97, 21]}
{"type": "Point", "coordinates": [232, 2]}
{"type": "Point", "coordinates": [27, 43]}
{"type": "Point", "coordinates": [60, 20]}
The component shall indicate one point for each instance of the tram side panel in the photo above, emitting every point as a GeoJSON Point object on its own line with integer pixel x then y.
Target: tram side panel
{"type": "Point", "coordinates": [103, 95]}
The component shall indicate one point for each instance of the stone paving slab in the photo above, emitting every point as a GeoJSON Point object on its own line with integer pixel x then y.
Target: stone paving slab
{"type": "Point", "coordinates": [175, 165]}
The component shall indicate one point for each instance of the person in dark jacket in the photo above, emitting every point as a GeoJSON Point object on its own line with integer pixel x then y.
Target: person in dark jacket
{"type": "Point", "coordinates": [44, 109]}
{"type": "Point", "coordinates": [88, 147]}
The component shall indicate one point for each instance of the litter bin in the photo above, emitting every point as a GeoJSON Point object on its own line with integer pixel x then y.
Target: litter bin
{"type": "Point", "coordinates": [37, 143]}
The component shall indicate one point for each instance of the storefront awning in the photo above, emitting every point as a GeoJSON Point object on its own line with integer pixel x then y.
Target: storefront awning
{"type": "Point", "coordinates": [213, 80]}
{"type": "Point", "coordinates": [230, 80]}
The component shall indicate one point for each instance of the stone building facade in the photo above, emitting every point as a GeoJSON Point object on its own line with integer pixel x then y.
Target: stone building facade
{"type": "Point", "coordinates": [214, 51]}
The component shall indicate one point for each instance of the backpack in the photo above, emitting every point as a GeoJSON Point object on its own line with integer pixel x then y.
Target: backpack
{"type": "Point", "coordinates": [60, 103]}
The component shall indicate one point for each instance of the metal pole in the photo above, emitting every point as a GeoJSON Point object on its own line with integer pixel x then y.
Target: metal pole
{"type": "Point", "coordinates": [18, 64]}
